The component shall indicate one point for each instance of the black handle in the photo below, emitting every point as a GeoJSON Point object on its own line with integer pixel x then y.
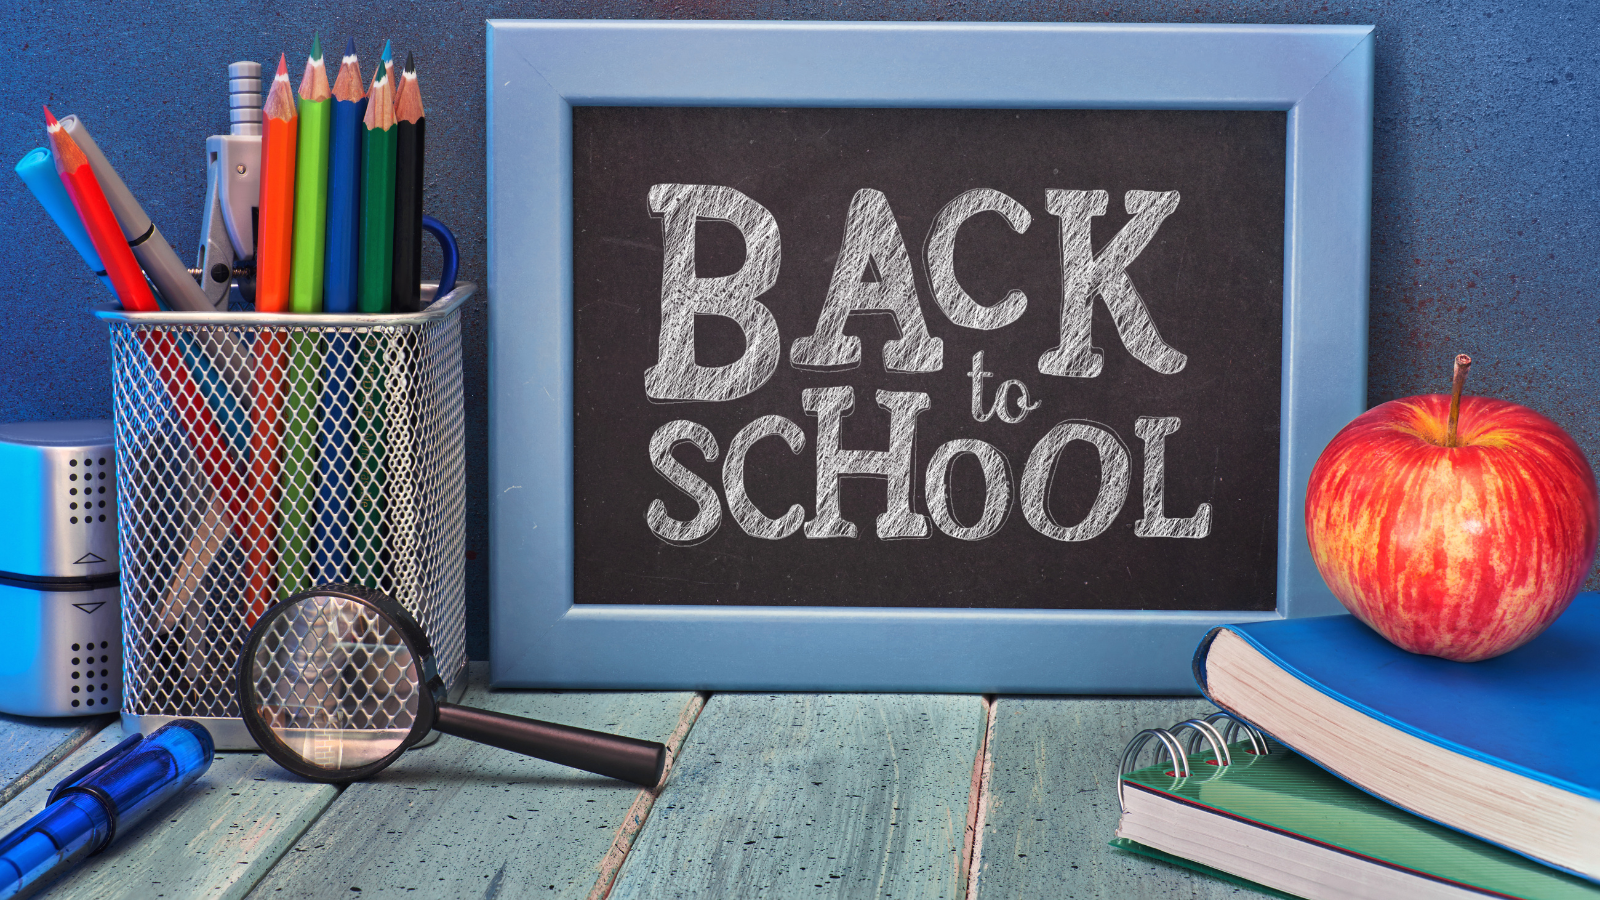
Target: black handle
{"type": "Point", "coordinates": [629, 759]}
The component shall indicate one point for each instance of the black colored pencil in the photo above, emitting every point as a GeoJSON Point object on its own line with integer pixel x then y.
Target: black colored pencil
{"type": "Point", "coordinates": [411, 125]}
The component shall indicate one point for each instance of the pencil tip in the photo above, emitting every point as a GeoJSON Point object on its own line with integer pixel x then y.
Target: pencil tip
{"type": "Point", "coordinates": [316, 45]}
{"type": "Point", "coordinates": [49, 119]}
{"type": "Point", "coordinates": [411, 64]}
{"type": "Point", "coordinates": [388, 53]}
{"type": "Point", "coordinates": [283, 65]}
{"type": "Point", "coordinates": [350, 46]}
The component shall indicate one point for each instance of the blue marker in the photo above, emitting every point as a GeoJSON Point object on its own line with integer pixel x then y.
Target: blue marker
{"type": "Point", "coordinates": [38, 171]}
{"type": "Point", "coordinates": [101, 800]}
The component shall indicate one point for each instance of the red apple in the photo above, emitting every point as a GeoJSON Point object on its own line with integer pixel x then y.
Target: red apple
{"type": "Point", "coordinates": [1461, 540]}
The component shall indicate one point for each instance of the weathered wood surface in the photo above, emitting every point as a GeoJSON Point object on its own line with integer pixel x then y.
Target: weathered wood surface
{"type": "Point", "coordinates": [816, 796]}
{"type": "Point", "coordinates": [214, 840]}
{"type": "Point", "coordinates": [459, 819]}
{"type": "Point", "coordinates": [854, 795]}
{"type": "Point", "coordinates": [31, 747]}
{"type": "Point", "coordinates": [1051, 802]}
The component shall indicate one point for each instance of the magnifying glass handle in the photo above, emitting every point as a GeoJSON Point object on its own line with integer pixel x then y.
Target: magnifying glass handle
{"type": "Point", "coordinates": [613, 756]}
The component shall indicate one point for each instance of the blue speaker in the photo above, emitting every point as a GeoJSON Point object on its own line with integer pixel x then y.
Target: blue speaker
{"type": "Point", "coordinates": [60, 616]}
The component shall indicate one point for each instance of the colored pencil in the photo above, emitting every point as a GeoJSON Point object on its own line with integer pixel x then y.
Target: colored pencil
{"type": "Point", "coordinates": [377, 192]}
{"type": "Point", "coordinates": [269, 351]}
{"type": "Point", "coordinates": [290, 357]}
{"type": "Point", "coordinates": [410, 131]}
{"type": "Point", "coordinates": [336, 439]}
{"type": "Point", "coordinates": [206, 436]}
{"type": "Point", "coordinates": [296, 522]}
{"type": "Point", "coordinates": [344, 187]}
{"type": "Point", "coordinates": [406, 294]}
{"type": "Point", "coordinates": [77, 176]}
{"type": "Point", "coordinates": [218, 362]}
{"type": "Point", "coordinates": [275, 231]}
{"type": "Point", "coordinates": [311, 185]}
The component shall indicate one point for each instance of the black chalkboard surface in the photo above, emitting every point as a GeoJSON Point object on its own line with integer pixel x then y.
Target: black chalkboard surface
{"type": "Point", "coordinates": [777, 315]}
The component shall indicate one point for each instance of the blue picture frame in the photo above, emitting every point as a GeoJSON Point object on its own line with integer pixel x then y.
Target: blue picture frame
{"type": "Point", "coordinates": [538, 70]}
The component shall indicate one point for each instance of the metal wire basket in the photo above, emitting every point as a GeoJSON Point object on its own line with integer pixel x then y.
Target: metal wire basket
{"type": "Point", "coordinates": [260, 455]}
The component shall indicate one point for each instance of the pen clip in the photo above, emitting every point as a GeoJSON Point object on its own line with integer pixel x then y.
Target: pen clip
{"type": "Point", "coordinates": [94, 765]}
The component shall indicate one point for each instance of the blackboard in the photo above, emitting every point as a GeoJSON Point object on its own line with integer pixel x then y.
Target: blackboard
{"type": "Point", "coordinates": [1187, 389]}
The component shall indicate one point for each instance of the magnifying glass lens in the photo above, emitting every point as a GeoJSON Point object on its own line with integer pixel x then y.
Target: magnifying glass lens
{"type": "Point", "coordinates": [335, 682]}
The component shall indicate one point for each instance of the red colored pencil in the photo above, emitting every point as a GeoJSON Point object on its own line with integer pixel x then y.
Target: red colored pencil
{"type": "Point", "coordinates": [98, 219]}
{"type": "Point", "coordinates": [134, 292]}
{"type": "Point", "coordinates": [206, 437]}
{"type": "Point", "coordinates": [275, 243]}
{"type": "Point", "coordinates": [274, 267]}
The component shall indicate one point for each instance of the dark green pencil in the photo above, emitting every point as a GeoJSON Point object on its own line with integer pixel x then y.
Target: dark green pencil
{"type": "Point", "coordinates": [378, 145]}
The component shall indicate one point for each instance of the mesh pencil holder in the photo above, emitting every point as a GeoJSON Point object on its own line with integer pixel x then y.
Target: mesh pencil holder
{"type": "Point", "coordinates": [259, 455]}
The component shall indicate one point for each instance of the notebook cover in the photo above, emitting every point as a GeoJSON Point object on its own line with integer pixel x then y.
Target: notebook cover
{"type": "Point", "coordinates": [1534, 711]}
{"type": "Point", "coordinates": [1287, 794]}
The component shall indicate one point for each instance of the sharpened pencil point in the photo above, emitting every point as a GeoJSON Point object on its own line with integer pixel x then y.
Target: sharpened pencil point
{"type": "Point", "coordinates": [349, 47]}
{"type": "Point", "coordinates": [50, 119]}
{"type": "Point", "coordinates": [316, 45]}
{"type": "Point", "coordinates": [411, 64]}
{"type": "Point", "coordinates": [388, 52]}
{"type": "Point", "coordinates": [283, 66]}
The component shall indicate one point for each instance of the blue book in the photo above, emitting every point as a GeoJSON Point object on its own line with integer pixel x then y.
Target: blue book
{"type": "Point", "coordinates": [1506, 750]}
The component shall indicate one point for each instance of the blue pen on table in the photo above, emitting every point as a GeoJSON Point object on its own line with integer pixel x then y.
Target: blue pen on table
{"type": "Point", "coordinates": [104, 798]}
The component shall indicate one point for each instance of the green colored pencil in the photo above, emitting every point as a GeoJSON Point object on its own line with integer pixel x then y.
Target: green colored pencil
{"type": "Point", "coordinates": [379, 140]}
{"type": "Point", "coordinates": [378, 146]}
{"type": "Point", "coordinates": [297, 507]}
{"type": "Point", "coordinates": [311, 185]}
{"type": "Point", "coordinates": [297, 504]}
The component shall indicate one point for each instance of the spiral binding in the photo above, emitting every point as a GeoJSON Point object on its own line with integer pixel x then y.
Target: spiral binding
{"type": "Point", "coordinates": [1171, 747]}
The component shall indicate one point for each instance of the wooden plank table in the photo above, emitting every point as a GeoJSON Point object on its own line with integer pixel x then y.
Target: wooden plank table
{"type": "Point", "coordinates": [768, 795]}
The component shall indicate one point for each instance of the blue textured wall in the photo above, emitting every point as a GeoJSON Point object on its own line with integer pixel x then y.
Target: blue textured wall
{"type": "Point", "coordinates": [1486, 177]}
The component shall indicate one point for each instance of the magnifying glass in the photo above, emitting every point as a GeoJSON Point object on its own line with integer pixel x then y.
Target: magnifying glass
{"type": "Point", "coordinates": [336, 682]}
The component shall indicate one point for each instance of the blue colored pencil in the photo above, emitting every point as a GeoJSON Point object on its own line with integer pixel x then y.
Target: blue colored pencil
{"type": "Point", "coordinates": [344, 187]}
{"type": "Point", "coordinates": [336, 440]}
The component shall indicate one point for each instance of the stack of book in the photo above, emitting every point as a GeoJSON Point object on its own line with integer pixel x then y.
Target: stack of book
{"type": "Point", "coordinates": [1404, 775]}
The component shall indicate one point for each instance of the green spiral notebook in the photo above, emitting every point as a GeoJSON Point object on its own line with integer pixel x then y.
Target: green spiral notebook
{"type": "Point", "coordinates": [1280, 821]}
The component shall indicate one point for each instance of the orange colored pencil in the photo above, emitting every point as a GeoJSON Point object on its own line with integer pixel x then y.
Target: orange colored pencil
{"type": "Point", "coordinates": [275, 243]}
{"type": "Point", "coordinates": [98, 219]}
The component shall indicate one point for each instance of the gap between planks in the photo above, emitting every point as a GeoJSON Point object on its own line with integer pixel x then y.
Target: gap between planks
{"type": "Point", "coordinates": [633, 821]}
{"type": "Point", "coordinates": [68, 746]}
{"type": "Point", "coordinates": [978, 801]}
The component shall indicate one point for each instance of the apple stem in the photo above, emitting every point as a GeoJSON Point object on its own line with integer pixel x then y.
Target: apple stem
{"type": "Point", "coordinates": [1457, 381]}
